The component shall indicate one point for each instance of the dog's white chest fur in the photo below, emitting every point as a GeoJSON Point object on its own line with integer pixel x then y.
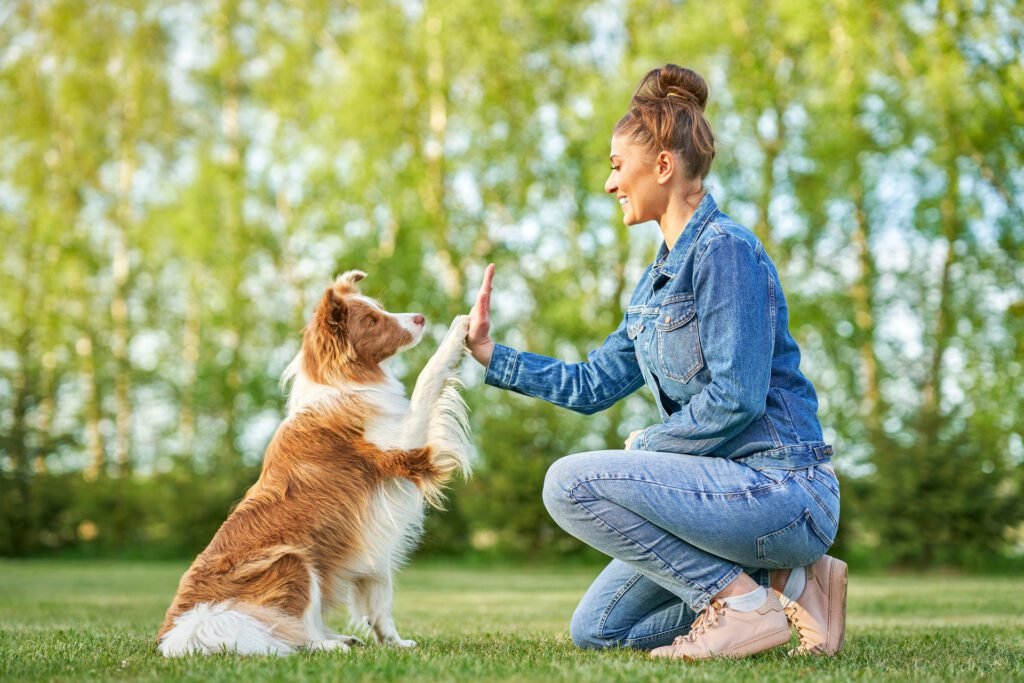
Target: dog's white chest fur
{"type": "Point", "coordinates": [393, 526]}
{"type": "Point", "coordinates": [388, 429]}
{"type": "Point", "coordinates": [395, 520]}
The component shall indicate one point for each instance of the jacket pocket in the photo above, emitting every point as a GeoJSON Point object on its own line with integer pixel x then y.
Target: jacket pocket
{"type": "Point", "coordinates": [634, 326]}
{"type": "Point", "coordinates": [679, 352]}
{"type": "Point", "coordinates": [797, 544]}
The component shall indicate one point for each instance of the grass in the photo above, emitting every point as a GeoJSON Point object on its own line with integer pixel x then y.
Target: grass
{"type": "Point", "coordinates": [95, 621]}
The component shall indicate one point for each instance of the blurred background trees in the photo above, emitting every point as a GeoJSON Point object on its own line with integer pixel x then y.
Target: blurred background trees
{"type": "Point", "coordinates": [179, 181]}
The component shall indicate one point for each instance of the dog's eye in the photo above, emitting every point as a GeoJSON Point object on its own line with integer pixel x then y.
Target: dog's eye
{"type": "Point", "coordinates": [373, 320]}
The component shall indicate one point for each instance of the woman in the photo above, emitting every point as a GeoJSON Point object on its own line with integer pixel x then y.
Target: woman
{"type": "Point", "coordinates": [703, 512]}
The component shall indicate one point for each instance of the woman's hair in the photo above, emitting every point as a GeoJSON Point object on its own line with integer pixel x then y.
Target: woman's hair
{"type": "Point", "coordinates": [667, 113]}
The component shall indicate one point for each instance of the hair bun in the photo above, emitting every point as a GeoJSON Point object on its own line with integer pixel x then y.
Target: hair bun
{"type": "Point", "coordinates": [667, 113]}
{"type": "Point", "coordinates": [685, 84]}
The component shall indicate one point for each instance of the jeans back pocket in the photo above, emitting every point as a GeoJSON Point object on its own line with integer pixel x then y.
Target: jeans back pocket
{"type": "Point", "coordinates": [797, 544]}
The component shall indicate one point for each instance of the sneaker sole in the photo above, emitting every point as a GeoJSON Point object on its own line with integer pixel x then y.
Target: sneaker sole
{"type": "Point", "coordinates": [838, 578]}
{"type": "Point", "coordinates": [762, 644]}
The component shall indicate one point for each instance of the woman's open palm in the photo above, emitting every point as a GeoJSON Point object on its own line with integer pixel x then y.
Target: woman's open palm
{"type": "Point", "coordinates": [479, 340]}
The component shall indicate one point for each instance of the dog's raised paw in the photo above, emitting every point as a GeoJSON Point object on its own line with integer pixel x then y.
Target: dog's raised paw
{"type": "Point", "coordinates": [460, 326]}
{"type": "Point", "coordinates": [455, 340]}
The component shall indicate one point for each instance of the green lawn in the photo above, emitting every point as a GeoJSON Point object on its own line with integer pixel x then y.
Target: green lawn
{"type": "Point", "coordinates": [95, 621]}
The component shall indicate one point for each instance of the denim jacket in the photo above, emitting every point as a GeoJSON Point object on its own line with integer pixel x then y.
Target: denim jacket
{"type": "Point", "coordinates": [707, 330]}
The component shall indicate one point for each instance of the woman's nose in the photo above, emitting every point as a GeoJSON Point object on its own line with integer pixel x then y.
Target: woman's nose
{"type": "Point", "coordinates": [609, 186]}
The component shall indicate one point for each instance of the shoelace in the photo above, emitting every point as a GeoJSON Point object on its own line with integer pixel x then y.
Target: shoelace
{"type": "Point", "coordinates": [707, 620]}
{"type": "Point", "coordinates": [791, 614]}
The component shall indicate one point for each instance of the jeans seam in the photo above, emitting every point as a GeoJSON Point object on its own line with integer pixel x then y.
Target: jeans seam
{"type": "Point", "coordinates": [580, 482]}
{"type": "Point", "coordinates": [630, 642]}
{"type": "Point", "coordinates": [818, 500]}
{"type": "Point", "coordinates": [703, 600]}
{"type": "Point", "coordinates": [828, 479]}
{"type": "Point", "coordinates": [606, 612]}
{"type": "Point", "coordinates": [616, 599]}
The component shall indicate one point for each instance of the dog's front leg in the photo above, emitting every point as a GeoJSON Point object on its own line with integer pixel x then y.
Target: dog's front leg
{"type": "Point", "coordinates": [373, 597]}
{"type": "Point", "coordinates": [439, 369]}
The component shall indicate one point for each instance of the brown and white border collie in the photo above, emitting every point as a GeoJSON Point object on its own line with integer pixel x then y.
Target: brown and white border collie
{"type": "Point", "coordinates": [339, 502]}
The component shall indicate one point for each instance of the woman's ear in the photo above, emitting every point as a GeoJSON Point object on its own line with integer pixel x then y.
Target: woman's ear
{"type": "Point", "coordinates": [665, 165]}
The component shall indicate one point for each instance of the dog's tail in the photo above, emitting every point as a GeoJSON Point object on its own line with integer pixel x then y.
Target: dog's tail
{"type": "Point", "coordinates": [232, 626]}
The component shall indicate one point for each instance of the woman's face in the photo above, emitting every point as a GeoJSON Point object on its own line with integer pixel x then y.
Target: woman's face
{"type": "Point", "coordinates": [634, 181]}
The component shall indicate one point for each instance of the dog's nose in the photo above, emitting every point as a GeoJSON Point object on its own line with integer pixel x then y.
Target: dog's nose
{"type": "Point", "coordinates": [418, 319]}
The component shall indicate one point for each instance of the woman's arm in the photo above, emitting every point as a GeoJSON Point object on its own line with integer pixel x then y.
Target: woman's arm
{"type": "Point", "coordinates": [735, 300]}
{"type": "Point", "coordinates": [610, 373]}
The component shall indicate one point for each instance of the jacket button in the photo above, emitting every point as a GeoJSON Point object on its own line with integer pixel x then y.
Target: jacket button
{"type": "Point", "coordinates": [668, 318]}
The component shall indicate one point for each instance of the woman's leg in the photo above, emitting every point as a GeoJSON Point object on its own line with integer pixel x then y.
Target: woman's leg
{"type": "Point", "coordinates": [688, 523]}
{"type": "Point", "coordinates": [624, 608]}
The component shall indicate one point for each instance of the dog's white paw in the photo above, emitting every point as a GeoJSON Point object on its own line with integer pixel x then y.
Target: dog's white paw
{"type": "Point", "coordinates": [326, 645]}
{"type": "Point", "coordinates": [454, 343]}
{"type": "Point", "coordinates": [459, 328]}
{"type": "Point", "coordinates": [401, 642]}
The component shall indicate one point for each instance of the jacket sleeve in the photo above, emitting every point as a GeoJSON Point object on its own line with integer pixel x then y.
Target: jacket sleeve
{"type": "Point", "coordinates": [735, 310]}
{"type": "Point", "coordinates": [610, 373]}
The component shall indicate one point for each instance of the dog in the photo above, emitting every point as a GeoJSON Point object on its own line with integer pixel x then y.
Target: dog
{"type": "Point", "coordinates": [339, 502]}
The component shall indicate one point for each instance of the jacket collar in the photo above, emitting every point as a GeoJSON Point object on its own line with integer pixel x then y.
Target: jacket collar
{"type": "Point", "coordinates": [667, 262]}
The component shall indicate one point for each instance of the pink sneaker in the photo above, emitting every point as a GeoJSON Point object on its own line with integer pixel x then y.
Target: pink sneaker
{"type": "Point", "coordinates": [723, 632]}
{"type": "Point", "coordinates": [819, 614]}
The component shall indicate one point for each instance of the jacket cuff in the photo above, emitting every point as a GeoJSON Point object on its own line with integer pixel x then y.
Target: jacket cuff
{"type": "Point", "coordinates": [640, 443]}
{"type": "Point", "coordinates": [502, 366]}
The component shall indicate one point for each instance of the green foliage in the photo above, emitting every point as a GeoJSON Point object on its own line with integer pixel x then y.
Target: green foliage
{"type": "Point", "coordinates": [172, 514]}
{"type": "Point", "coordinates": [179, 181]}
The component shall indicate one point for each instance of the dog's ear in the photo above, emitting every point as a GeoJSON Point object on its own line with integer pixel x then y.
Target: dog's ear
{"type": "Point", "coordinates": [348, 280]}
{"type": "Point", "coordinates": [331, 313]}
{"type": "Point", "coordinates": [325, 340]}
{"type": "Point", "coordinates": [336, 311]}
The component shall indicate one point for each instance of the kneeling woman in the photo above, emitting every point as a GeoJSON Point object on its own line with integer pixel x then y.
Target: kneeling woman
{"type": "Point", "coordinates": [705, 512]}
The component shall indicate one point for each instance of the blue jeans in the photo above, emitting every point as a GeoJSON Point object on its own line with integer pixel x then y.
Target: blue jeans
{"type": "Point", "coordinates": [680, 528]}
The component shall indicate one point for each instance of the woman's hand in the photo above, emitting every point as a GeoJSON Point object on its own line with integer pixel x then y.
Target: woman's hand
{"type": "Point", "coordinates": [479, 339]}
{"type": "Point", "coordinates": [631, 438]}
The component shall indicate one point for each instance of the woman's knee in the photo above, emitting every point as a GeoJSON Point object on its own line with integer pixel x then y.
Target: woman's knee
{"type": "Point", "coordinates": [583, 629]}
{"type": "Point", "coordinates": [561, 478]}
